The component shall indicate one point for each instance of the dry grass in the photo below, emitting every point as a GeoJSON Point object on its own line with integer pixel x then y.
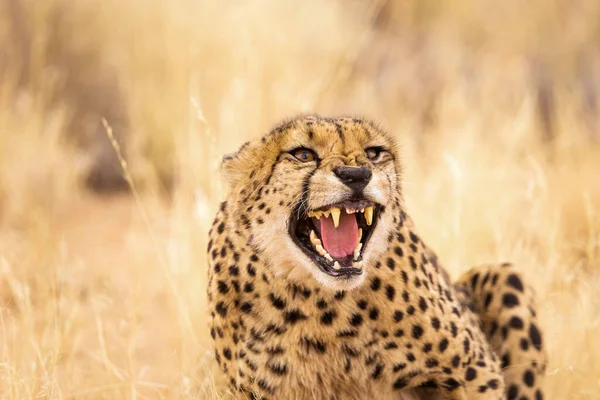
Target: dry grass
{"type": "Point", "coordinates": [104, 297]}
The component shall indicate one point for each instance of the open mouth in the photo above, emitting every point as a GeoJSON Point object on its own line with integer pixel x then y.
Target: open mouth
{"type": "Point", "coordinates": [336, 236]}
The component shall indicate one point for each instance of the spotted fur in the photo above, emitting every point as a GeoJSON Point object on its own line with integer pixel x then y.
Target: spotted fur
{"type": "Point", "coordinates": [402, 331]}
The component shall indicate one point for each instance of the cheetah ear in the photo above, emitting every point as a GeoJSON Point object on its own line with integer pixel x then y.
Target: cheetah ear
{"type": "Point", "coordinates": [235, 167]}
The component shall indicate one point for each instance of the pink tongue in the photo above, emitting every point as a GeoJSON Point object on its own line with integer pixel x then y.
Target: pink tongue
{"type": "Point", "coordinates": [341, 241]}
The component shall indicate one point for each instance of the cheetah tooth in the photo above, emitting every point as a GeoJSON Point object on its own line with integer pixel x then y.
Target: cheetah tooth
{"type": "Point", "coordinates": [369, 215]}
{"type": "Point", "coordinates": [357, 250]}
{"type": "Point", "coordinates": [320, 250]}
{"type": "Point", "coordinates": [328, 257]}
{"type": "Point", "coordinates": [357, 264]}
{"type": "Point", "coordinates": [315, 214]}
{"type": "Point", "coordinates": [314, 239]}
{"type": "Point", "coordinates": [335, 215]}
{"type": "Point", "coordinates": [359, 234]}
{"type": "Point", "coordinates": [326, 213]}
{"type": "Point", "coordinates": [336, 265]}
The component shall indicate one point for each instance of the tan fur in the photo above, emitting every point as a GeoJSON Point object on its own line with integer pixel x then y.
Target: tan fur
{"type": "Point", "coordinates": [283, 329]}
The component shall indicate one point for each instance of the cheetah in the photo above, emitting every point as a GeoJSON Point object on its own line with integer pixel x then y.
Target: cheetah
{"type": "Point", "coordinates": [321, 288]}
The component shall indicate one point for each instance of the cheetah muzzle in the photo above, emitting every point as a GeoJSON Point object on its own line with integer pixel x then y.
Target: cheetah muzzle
{"type": "Point", "coordinates": [335, 236]}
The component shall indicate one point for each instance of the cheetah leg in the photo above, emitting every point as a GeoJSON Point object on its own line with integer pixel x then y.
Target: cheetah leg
{"type": "Point", "coordinates": [505, 306]}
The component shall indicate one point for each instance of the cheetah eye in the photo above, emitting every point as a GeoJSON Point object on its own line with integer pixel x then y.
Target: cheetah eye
{"type": "Point", "coordinates": [304, 155]}
{"type": "Point", "coordinates": [374, 153]}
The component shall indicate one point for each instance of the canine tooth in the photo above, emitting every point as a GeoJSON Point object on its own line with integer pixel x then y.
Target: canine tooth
{"type": "Point", "coordinates": [328, 256]}
{"type": "Point", "coordinates": [320, 250]}
{"type": "Point", "coordinates": [359, 234]}
{"type": "Point", "coordinates": [326, 213]}
{"type": "Point", "coordinates": [357, 264]}
{"type": "Point", "coordinates": [336, 265]}
{"type": "Point", "coordinates": [357, 250]}
{"type": "Point", "coordinates": [369, 215]}
{"type": "Point", "coordinates": [313, 238]}
{"type": "Point", "coordinates": [335, 214]}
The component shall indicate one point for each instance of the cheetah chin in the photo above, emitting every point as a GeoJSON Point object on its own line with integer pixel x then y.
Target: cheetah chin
{"type": "Point", "coordinates": [335, 236]}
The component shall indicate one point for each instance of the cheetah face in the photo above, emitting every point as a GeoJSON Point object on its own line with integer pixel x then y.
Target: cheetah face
{"type": "Point", "coordinates": [315, 196]}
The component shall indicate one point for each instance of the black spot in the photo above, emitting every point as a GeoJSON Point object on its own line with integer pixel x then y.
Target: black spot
{"type": "Point", "coordinates": [227, 353]}
{"type": "Point", "coordinates": [535, 337]}
{"type": "Point", "coordinates": [234, 270]}
{"type": "Point", "coordinates": [455, 361]}
{"type": "Point", "coordinates": [524, 344]}
{"type": "Point", "coordinates": [377, 371]}
{"type": "Point", "coordinates": [435, 323]}
{"type": "Point", "coordinates": [277, 302]}
{"type": "Point", "coordinates": [356, 320]}
{"type": "Point", "coordinates": [513, 392]}
{"type": "Point", "coordinates": [410, 310]}
{"type": "Point", "coordinates": [222, 287]}
{"type": "Point", "coordinates": [443, 345]}
{"type": "Point", "coordinates": [509, 300]}
{"type": "Point", "coordinates": [278, 369]}
{"type": "Point", "coordinates": [410, 357]}
{"type": "Point", "coordinates": [417, 331]}
{"type": "Point", "coordinates": [404, 276]}
{"type": "Point", "coordinates": [413, 263]}
{"type": "Point", "coordinates": [347, 333]}
{"type": "Point", "coordinates": [374, 314]}
{"type": "Point", "coordinates": [294, 316]}
{"type": "Point", "coordinates": [493, 384]}
{"type": "Point", "coordinates": [422, 304]}
{"type": "Point", "coordinates": [391, 264]}
{"type": "Point", "coordinates": [390, 346]}
{"type": "Point", "coordinates": [221, 227]}
{"type": "Point", "coordinates": [328, 317]}
{"type": "Point", "coordinates": [254, 258]}
{"type": "Point", "coordinates": [221, 308]}
{"type": "Point", "coordinates": [246, 307]}
{"type": "Point", "coordinates": [471, 374]}
{"type": "Point", "coordinates": [248, 287]}
{"type": "Point", "coordinates": [515, 282]}
{"type": "Point", "coordinates": [398, 315]}
{"type": "Point", "coordinates": [427, 347]}
{"type": "Point", "coordinates": [251, 270]}
{"type": "Point", "coordinates": [431, 363]}
{"type": "Point", "coordinates": [516, 323]}
{"type": "Point", "coordinates": [265, 386]}
{"type": "Point", "coordinates": [340, 295]}
{"type": "Point", "coordinates": [488, 300]}
{"type": "Point", "coordinates": [399, 367]}
{"type": "Point", "coordinates": [505, 361]}
{"type": "Point", "coordinates": [414, 238]}
{"type": "Point", "coordinates": [405, 296]}
{"type": "Point", "coordinates": [539, 395]}
{"type": "Point", "coordinates": [453, 329]}
{"type": "Point", "coordinates": [398, 333]}
{"type": "Point", "coordinates": [399, 252]}
{"type": "Point", "coordinates": [466, 345]}
{"type": "Point", "coordinates": [390, 292]}
{"type": "Point", "coordinates": [474, 280]}
{"type": "Point", "coordinates": [400, 383]}
{"type": "Point", "coordinates": [362, 304]}
{"type": "Point", "coordinates": [529, 378]}
{"type": "Point", "coordinates": [375, 284]}
{"type": "Point", "coordinates": [321, 304]}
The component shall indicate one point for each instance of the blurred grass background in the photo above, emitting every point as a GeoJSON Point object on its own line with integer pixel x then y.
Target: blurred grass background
{"type": "Point", "coordinates": [102, 296]}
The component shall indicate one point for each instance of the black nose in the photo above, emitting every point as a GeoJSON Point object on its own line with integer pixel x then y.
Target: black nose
{"type": "Point", "coordinates": [356, 178]}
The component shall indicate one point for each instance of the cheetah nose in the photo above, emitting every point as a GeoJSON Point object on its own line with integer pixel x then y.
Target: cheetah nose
{"type": "Point", "coordinates": [356, 178]}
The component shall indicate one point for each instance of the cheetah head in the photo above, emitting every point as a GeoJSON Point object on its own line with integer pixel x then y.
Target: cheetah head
{"type": "Point", "coordinates": [315, 196]}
